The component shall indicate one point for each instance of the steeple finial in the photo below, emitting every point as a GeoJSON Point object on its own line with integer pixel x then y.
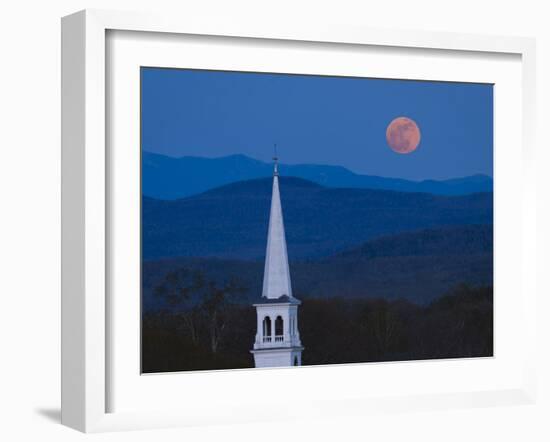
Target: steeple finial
{"type": "Point", "coordinates": [275, 160]}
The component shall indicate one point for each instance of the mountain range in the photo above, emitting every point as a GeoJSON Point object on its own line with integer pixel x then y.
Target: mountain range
{"type": "Point", "coordinates": [165, 177]}
{"type": "Point", "coordinates": [231, 221]}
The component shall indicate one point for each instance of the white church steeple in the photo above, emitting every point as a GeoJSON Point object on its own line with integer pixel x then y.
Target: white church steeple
{"type": "Point", "coordinates": [276, 272]}
{"type": "Point", "coordinates": [277, 342]}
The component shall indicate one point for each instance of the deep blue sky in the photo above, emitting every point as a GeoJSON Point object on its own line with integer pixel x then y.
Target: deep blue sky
{"type": "Point", "coordinates": [319, 120]}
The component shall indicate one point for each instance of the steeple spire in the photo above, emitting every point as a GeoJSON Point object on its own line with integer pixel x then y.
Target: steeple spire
{"type": "Point", "coordinates": [276, 271]}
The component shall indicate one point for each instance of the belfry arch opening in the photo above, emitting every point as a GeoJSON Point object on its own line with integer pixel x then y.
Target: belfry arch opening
{"type": "Point", "coordinates": [279, 326]}
{"type": "Point", "coordinates": [267, 326]}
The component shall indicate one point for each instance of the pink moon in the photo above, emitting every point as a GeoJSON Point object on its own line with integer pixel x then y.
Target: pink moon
{"type": "Point", "coordinates": [403, 135]}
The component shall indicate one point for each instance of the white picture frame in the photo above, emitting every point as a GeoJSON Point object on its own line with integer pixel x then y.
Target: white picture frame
{"type": "Point", "coordinates": [86, 203]}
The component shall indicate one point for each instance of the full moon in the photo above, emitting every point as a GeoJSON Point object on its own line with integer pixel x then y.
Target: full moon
{"type": "Point", "coordinates": [403, 135]}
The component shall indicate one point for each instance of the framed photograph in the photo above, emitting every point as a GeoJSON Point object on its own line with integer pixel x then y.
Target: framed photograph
{"type": "Point", "coordinates": [264, 222]}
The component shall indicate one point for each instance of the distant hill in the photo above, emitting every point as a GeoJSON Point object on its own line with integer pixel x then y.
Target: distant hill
{"type": "Point", "coordinates": [166, 177]}
{"type": "Point", "coordinates": [461, 240]}
{"type": "Point", "coordinates": [231, 221]}
{"type": "Point", "coordinates": [418, 266]}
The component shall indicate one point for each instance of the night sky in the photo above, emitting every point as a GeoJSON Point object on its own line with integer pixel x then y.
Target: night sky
{"type": "Point", "coordinates": [319, 120]}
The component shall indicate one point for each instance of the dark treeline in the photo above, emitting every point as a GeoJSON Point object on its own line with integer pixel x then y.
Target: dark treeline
{"type": "Point", "coordinates": [217, 333]}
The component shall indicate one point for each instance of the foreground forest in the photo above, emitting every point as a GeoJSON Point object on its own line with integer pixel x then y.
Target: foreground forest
{"type": "Point", "coordinates": [218, 332]}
